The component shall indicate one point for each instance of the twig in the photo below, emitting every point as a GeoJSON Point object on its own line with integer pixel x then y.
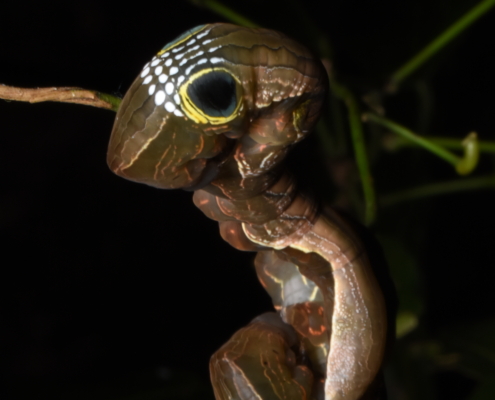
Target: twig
{"type": "Point", "coordinates": [61, 94]}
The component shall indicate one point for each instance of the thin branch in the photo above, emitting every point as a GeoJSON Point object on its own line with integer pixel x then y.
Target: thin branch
{"type": "Point", "coordinates": [438, 43]}
{"type": "Point", "coordinates": [463, 165]}
{"type": "Point", "coordinates": [61, 94]}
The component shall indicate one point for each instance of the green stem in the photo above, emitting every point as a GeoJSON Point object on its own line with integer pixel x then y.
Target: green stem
{"type": "Point", "coordinates": [396, 142]}
{"type": "Point", "coordinates": [463, 165]}
{"type": "Point", "coordinates": [225, 12]}
{"type": "Point", "coordinates": [435, 189]}
{"type": "Point", "coordinates": [113, 100]}
{"type": "Point", "coordinates": [471, 154]}
{"type": "Point", "coordinates": [357, 136]}
{"type": "Point", "coordinates": [438, 43]}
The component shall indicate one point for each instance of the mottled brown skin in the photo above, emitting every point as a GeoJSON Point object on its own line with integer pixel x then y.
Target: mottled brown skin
{"type": "Point", "coordinates": [327, 340]}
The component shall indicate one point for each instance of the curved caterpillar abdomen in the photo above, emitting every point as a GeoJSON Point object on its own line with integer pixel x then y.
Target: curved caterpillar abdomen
{"type": "Point", "coordinates": [216, 111]}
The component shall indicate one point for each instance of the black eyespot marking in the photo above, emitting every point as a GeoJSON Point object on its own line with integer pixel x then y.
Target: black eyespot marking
{"type": "Point", "coordinates": [214, 93]}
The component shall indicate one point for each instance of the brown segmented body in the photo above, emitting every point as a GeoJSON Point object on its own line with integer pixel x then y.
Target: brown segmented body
{"type": "Point", "coordinates": [217, 111]}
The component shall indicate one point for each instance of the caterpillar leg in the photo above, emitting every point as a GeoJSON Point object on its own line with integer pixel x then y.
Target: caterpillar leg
{"type": "Point", "coordinates": [261, 361]}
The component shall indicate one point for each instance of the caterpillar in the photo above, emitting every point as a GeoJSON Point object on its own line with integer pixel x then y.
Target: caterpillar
{"type": "Point", "coordinates": [216, 111]}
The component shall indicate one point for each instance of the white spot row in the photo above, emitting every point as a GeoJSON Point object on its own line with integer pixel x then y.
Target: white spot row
{"type": "Point", "coordinates": [179, 56]}
{"type": "Point", "coordinates": [169, 106]}
{"type": "Point", "coordinates": [169, 88]}
{"type": "Point", "coordinates": [145, 72]}
{"type": "Point", "coordinates": [159, 97]}
{"type": "Point", "coordinates": [216, 60]}
{"type": "Point", "coordinates": [202, 34]}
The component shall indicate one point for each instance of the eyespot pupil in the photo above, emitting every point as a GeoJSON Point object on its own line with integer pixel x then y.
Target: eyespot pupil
{"type": "Point", "coordinates": [214, 93]}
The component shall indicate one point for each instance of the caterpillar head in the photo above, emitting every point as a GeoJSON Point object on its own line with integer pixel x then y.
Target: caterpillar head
{"type": "Point", "coordinates": [206, 90]}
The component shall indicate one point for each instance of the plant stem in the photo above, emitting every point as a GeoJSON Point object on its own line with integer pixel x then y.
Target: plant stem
{"type": "Point", "coordinates": [438, 43]}
{"type": "Point", "coordinates": [110, 99]}
{"type": "Point", "coordinates": [397, 142]}
{"type": "Point", "coordinates": [463, 165]}
{"type": "Point", "coordinates": [61, 94]}
{"type": "Point", "coordinates": [357, 136]}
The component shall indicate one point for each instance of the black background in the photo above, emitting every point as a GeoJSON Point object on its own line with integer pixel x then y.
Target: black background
{"type": "Point", "coordinates": [102, 278]}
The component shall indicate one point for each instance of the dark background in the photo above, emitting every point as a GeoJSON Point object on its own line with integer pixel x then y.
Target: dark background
{"type": "Point", "coordinates": [109, 288]}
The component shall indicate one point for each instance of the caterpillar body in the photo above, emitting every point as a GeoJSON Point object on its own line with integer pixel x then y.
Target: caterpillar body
{"type": "Point", "coordinates": [216, 111]}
